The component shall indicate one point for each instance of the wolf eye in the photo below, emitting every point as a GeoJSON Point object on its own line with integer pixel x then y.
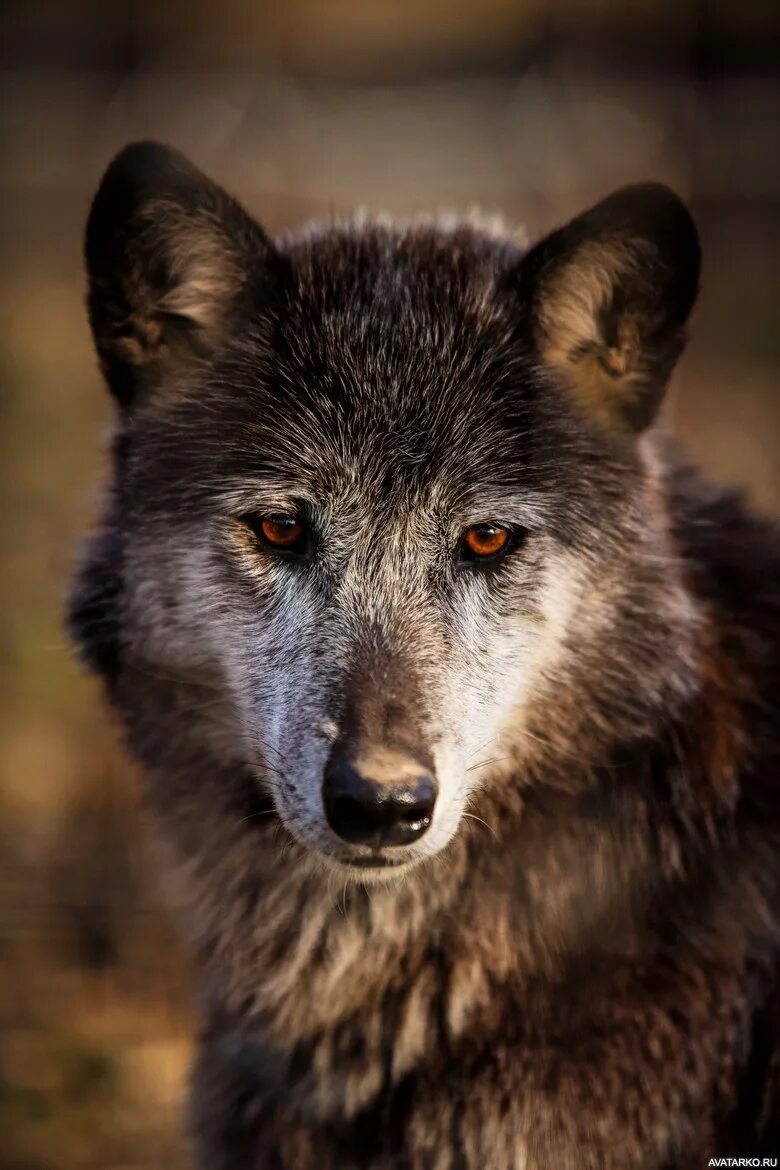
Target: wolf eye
{"type": "Point", "coordinates": [284, 532]}
{"type": "Point", "coordinates": [288, 534]}
{"type": "Point", "coordinates": [485, 542]}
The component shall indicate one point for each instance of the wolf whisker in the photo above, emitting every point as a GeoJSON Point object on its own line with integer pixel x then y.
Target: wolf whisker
{"type": "Point", "coordinates": [482, 746]}
{"type": "Point", "coordinates": [484, 763]}
{"type": "Point", "coordinates": [266, 812]}
{"type": "Point", "coordinates": [490, 829]}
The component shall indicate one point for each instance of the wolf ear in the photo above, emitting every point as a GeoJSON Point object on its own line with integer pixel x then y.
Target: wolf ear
{"type": "Point", "coordinates": [171, 259]}
{"type": "Point", "coordinates": [609, 295]}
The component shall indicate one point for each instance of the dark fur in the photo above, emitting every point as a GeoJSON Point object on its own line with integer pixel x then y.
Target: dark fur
{"type": "Point", "coordinates": [594, 984]}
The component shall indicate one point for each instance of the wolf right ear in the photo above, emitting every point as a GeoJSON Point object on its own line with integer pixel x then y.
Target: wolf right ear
{"type": "Point", "coordinates": [609, 295]}
{"type": "Point", "coordinates": [171, 258]}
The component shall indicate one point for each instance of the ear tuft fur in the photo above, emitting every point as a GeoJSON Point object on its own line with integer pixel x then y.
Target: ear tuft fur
{"type": "Point", "coordinates": [170, 257]}
{"type": "Point", "coordinates": [609, 295]}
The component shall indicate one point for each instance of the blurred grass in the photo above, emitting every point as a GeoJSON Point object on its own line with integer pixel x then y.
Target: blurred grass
{"type": "Point", "coordinates": [94, 1004]}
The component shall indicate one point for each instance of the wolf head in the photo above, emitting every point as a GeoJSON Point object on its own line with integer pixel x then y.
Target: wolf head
{"type": "Point", "coordinates": [383, 491]}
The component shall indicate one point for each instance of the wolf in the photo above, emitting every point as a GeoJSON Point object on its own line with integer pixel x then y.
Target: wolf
{"type": "Point", "coordinates": [455, 689]}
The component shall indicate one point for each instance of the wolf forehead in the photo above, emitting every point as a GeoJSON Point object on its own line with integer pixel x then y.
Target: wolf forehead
{"type": "Point", "coordinates": [394, 332]}
{"type": "Point", "coordinates": [383, 328]}
{"type": "Point", "coordinates": [391, 356]}
{"type": "Point", "coordinates": [399, 319]}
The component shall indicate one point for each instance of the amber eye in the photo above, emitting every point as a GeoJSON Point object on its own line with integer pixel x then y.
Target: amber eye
{"type": "Point", "coordinates": [283, 533]}
{"type": "Point", "coordinates": [483, 542]}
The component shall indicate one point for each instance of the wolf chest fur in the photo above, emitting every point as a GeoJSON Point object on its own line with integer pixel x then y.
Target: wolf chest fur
{"type": "Point", "coordinates": [455, 690]}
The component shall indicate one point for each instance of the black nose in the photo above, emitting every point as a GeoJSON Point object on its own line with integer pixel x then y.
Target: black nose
{"type": "Point", "coordinates": [367, 812]}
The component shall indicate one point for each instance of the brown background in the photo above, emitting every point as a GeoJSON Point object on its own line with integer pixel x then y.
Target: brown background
{"type": "Point", "coordinates": [303, 108]}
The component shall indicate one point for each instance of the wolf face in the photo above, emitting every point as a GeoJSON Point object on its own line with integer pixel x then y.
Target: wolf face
{"type": "Point", "coordinates": [373, 483]}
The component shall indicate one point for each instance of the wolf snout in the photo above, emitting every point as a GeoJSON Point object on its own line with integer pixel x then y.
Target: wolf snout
{"type": "Point", "coordinates": [384, 801]}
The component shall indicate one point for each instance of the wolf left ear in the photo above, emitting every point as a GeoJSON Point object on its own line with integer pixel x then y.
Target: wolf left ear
{"type": "Point", "coordinates": [171, 259]}
{"type": "Point", "coordinates": [609, 295]}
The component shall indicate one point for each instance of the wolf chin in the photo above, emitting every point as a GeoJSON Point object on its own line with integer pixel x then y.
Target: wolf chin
{"type": "Point", "coordinates": [455, 690]}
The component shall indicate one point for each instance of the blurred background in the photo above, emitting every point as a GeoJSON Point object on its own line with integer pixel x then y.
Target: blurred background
{"type": "Point", "coordinates": [302, 108]}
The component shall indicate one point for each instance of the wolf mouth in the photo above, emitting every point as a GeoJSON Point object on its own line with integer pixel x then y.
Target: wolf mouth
{"type": "Point", "coordinates": [374, 862]}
